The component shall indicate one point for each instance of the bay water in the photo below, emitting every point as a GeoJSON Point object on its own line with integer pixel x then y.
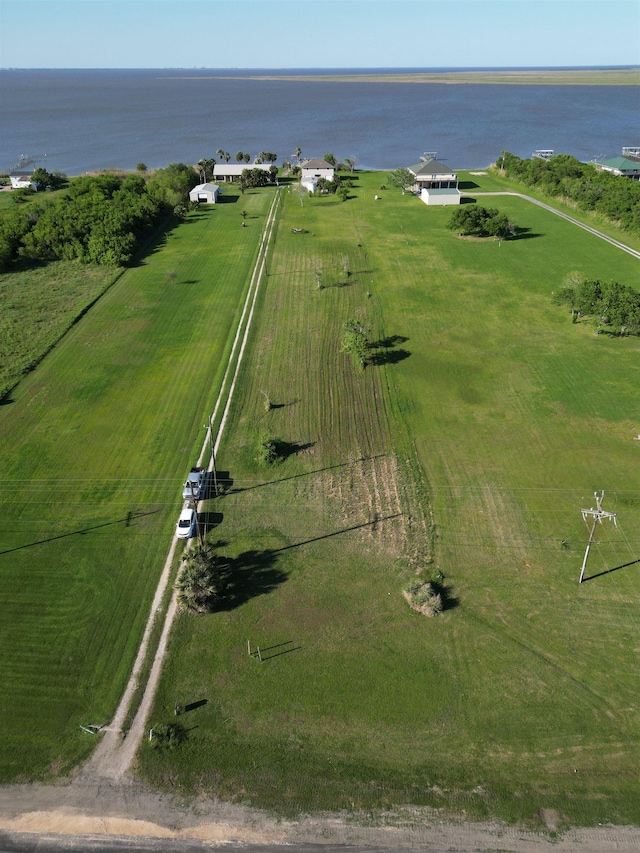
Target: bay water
{"type": "Point", "coordinates": [83, 120]}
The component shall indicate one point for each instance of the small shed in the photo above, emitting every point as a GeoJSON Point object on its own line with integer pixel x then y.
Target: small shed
{"type": "Point", "coordinates": [205, 193]}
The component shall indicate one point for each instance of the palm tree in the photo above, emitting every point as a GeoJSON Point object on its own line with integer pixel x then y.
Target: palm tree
{"type": "Point", "coordinates": [297, 153]}
{"type": "Point", "coordinates": [198, 583]}
{"type": "Point", "coordinates": [219, 153]}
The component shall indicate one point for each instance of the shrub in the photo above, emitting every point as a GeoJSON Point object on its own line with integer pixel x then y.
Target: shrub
{"type": "Point", "coordinates": [167, 736]}
{"type": "Point", "coordinates": [421, 596]}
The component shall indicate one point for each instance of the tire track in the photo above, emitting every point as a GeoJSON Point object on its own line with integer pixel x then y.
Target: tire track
{"type": "Point", "coordinates": [114, 755]}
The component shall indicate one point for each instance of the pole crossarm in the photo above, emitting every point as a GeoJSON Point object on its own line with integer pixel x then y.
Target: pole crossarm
{"type": "Point", "coordinates": [597, 515]}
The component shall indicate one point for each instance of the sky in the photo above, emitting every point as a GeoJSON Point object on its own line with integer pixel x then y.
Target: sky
{"type": "Point", "coordinates": [318, 33]}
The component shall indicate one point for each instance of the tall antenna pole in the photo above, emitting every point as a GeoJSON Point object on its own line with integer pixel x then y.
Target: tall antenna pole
{"type": "Point", "coordinates": [597, 514]}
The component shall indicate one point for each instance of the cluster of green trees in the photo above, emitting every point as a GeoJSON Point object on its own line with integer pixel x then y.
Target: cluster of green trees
{"type": "Point", "coordinates": [257, 177]}
{"type": "Point", "coordinates": [475, 221]}
{"type": "Point", "coordinates": [355, 342]}
{"type": "Point", "coordinates": [613, 196]}
{"type": "Point", "coordinates": [100, 219]}
{"type": "Point", "coordinates": [612, 305]}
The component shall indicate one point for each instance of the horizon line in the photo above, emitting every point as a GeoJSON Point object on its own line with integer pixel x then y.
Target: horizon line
{"type": "Point", "coordinates": [324, 68]}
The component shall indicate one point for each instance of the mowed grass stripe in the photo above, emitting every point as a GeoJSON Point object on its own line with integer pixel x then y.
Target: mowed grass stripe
{"type": "Point", "coordinates": [516, 416]}
{"type": "Point", "coordinates": [110, 422]}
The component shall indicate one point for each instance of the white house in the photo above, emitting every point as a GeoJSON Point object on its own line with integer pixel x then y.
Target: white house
{"type": "Point", "coordinates": [314, 169]}
{"type": "Point", "coordinates": [21, 180]}
{"type": "Point", "coordinates": [205, 193]}
{"type": "Point", "coordinates": [231, 171]}
{"type": "Point", "coordinates": [436, 183]}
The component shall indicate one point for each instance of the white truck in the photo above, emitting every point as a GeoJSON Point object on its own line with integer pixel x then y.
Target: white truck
{"type": "Point", "coordinates": [194, 485]}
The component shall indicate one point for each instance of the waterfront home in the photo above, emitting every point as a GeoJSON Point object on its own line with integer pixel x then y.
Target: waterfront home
{"type": "Point", "coordinates": [233, 171]}
{"type": "Point", "coordinates": [312, 170]}
{"type": "Point", "coordinates": [621, 166]}
{"type": "Point", "coordinates": [21, 180]}
{"type": "Point", "coordinates": [435, 182]}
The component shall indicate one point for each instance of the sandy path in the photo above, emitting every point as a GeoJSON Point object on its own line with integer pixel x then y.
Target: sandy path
{"type": "Point", "coordinates": [129, 809]}
{"type": "Point", "coordinates": [114, 754]}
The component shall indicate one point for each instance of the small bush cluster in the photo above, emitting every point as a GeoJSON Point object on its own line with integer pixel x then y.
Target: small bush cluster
{"type": "Point", "coordinates": [355, 342]}
{"type": "Point", "coordinates": [166, 736]}
{"type": "Point", "coordinates": [423, 597]}
{"type": "Point", "coordinates": [269, 450]}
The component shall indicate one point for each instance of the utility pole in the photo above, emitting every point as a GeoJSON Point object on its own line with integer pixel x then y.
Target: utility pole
{"type": "Point", "coordinates": [195, 506]}
{"type": "Point", "coordinates": [597, 514]}
{"type": "Point", "coordinates": [213, 458]}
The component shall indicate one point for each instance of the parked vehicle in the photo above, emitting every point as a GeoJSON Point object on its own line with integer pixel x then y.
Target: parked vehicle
{"type": "Point", "coordinates": [194, 485]}
{"type": "Point", "coordinates": [186, 525]}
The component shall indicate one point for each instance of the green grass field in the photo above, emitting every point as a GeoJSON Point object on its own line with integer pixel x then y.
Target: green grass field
{"type": "Point", "coordinates": [469, 447]}
{"type": "Point", "coordinates": [95, 445]}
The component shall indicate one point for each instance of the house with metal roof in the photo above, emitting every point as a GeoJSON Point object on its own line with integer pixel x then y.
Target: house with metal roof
{"type": "Point", "coordinates": [233, 171]}
{"type": "Point", "coordinates": [435, 182]}
{"type": "Point", "coordinates": [622, 166]}
{"type": "Point", "coordinates": [205, 193]}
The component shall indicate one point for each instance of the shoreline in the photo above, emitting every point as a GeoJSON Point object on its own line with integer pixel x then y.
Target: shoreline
{"type": "Point", "coordinates": [569, 77]}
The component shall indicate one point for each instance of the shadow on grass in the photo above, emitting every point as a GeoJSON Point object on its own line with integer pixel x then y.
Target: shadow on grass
{"type": "Point", "coordinates": [383, 352]}
{"type": "Point", "coordinates": [449, 601]}
{"type": "Point", "coordinates": [391, 356]}
{"type": "Point", "coordinates": [468, 185]}
{"type": "Point", "coordinates": [249, 575]}
{"type": "Point", "coordinates": [227, 483]}
{"type": "Point", "coordinates": [273, 406]}
{"type": "Point", "coordinates": [193, 705]}
{"type": "Point", "coordinates": [209, 520]}
{"type": "Point", "coordinates": [338, 532]}
{"type": "Point", "coordinates": [127, 521]}
{"type": "Point", "coordinates": [609, 571]}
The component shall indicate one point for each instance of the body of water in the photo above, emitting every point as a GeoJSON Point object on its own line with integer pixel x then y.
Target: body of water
{"type": "Point", "coordinates": [98, 119]}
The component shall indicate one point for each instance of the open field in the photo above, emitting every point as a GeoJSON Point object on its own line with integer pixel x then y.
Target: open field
{"type": "Point", "coordinates": [96, 443]}
{"type": "Point", "coordinates": [522, 77]}
{"type": "Point", "coordinates": [470, 446]}
{"type": "Point", "coordinates": [37, 306]}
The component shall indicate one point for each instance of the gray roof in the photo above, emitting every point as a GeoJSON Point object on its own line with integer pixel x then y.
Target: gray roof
{"type": "Point", "coordinates": [431, 167]}
{"type": "Point", "coordinates": [211, 188]}
{"type": "Point", "coordinates": [316, 164]}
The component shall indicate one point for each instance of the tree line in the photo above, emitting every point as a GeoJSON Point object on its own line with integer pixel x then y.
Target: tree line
{"type": "Point", "coordinates": [590, 189]}
{"type": "Point", "coordinates": [102, 219]}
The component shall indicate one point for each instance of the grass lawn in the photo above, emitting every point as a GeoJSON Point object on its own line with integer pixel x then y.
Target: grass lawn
{"type": "Point", "coordinates": [469, 446]}
{"type": "Point", "coordinates": [96, 443]}
{"type": "Point", "coordinates": [37, 306]}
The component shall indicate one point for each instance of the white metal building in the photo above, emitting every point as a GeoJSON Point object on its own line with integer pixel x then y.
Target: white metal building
{"type": "Point", "coordinates": [205, 193]}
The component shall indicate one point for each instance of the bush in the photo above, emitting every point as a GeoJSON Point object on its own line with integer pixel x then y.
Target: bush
{"type": "Point", "coordinates": [421, 596]}
{"type": "Point", "coordinates": [269, 450]}
{"type": "Point", "coordinates": [167, 736]}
